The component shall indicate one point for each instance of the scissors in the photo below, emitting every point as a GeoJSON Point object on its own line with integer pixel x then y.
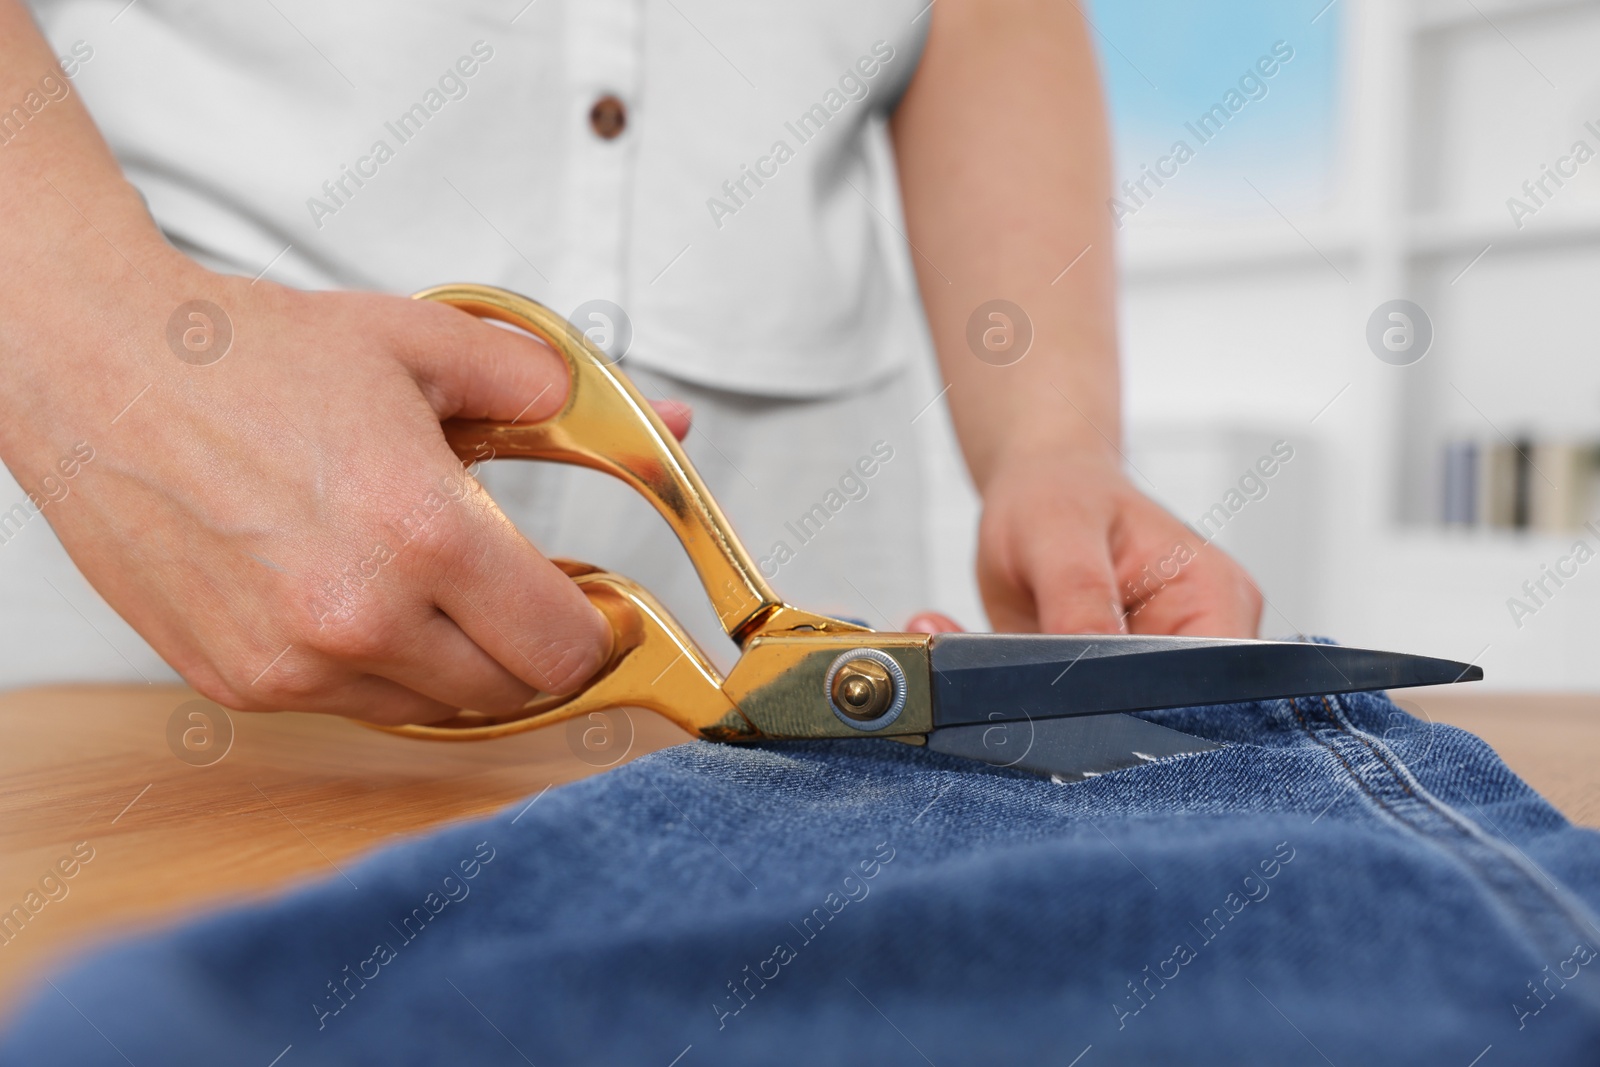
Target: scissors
{"type": "Point", "coordinates": [1052, 704]}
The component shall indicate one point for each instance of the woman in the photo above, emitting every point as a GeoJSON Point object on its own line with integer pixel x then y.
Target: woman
{"type": "Point", "coordinates": [714, 189]}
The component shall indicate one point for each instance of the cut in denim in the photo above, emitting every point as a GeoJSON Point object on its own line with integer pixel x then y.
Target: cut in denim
{"type": "Point", "coordinates": [1339, 883]}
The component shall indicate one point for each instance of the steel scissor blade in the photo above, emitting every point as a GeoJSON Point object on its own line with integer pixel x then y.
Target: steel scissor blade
{"type": "Point", "coordinates": [1071, 749]}
{"type": "Point", "coordinates": [978, 678]}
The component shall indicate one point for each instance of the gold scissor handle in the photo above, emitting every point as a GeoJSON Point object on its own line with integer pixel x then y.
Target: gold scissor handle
{"type": "Point", "coordinates": [653, 665]}
{"type": "Point", "coordinates": [606, 425]}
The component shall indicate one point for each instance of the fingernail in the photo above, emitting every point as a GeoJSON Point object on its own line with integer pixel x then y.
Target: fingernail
{"type": "Point", "coordinates": [932, 622]}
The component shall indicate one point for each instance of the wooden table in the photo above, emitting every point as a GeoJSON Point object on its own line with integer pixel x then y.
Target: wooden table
{"type": "Point", "coordinates": [297, 796]}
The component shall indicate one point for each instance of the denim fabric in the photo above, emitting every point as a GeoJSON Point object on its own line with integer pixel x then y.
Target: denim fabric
{"type": "Point", "coordinates": [1340, 883]}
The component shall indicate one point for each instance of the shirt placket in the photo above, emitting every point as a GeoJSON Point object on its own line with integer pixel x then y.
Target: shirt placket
{"type": "Point", "coordinates": [603, 64]}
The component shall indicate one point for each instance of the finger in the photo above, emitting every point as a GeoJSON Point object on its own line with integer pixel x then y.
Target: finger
{"type": "Point", "coordinates": [676, 414]}
{"type": "Point", "coordinates": [1207, 595]}
{"type": "Point", "coordinates": [1177, 583]}
{"type": "Point", "coordinates": [932, 622]}
{"type": "Point", "coordinates": [468, 368]}
{"type": "Point", "coordinates": [1063, 583]}
{"type": "Point", "coordinates": [387, 703]}
{"type": "Point", "coordinates": [439, 661]}
{"type": "Point", "coordinates": [373, 699]}
{"type": "Point", "coordinates": [515, 604]}
{"type": "Point", "coordinates": [1076, 593]}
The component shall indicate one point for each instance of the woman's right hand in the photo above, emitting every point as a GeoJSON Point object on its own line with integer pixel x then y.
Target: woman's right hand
{"type": "Point", "coordinates": [278, 514]}
{"type": "Point", "coordinates": [286, 525]}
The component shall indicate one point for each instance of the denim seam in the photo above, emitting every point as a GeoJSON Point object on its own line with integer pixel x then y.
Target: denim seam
{"type": "Point", "coordinates": [1570, 907]}
{"type": "Point", "coordinates": [1353, 774]}
{"type": "Point", "coordinates": [1390, 760]}
{"type": "Point", "coordinates": [1542, 882]}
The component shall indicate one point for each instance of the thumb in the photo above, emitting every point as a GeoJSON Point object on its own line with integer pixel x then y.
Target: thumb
{"type": "Point", "coordinates": [471, 369]}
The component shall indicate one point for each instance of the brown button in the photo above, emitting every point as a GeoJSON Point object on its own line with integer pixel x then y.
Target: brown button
{"type": "Point", "coordinates": [608, 117]}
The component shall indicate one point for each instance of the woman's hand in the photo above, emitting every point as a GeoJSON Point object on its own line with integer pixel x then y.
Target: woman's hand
{"type": "Point", "coordinates": [1024, 253]}
{"type": "Point", "coordinates": [276, 512]}
{"type": "Point", "coordinates": [1068, 545]}
{"type": "Point", "coordinates": [286, 524]}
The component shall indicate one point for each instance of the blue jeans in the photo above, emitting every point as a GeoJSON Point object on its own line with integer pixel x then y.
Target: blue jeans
{"type": "Point", "coordinates": [1340, 883]}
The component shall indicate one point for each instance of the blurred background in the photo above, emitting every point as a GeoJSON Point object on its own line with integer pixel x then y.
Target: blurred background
{"type": "Point", "coordinates": [1438, 489]}
{"type": "Point", "coordinates": [1337, 156]}
{"type": "Point", "coordinates": [1379, 164]}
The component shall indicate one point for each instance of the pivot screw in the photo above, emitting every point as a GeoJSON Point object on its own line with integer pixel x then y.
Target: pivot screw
{"type": "Point", "coordinates": [863, 689]}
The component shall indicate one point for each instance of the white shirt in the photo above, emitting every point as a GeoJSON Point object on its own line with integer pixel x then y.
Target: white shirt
{"type": "Point", "coordinates": [746, 220]}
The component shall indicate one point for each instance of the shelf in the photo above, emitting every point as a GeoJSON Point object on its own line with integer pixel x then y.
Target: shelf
{"type": "Point", "coordinates": [1437, 236]}
{"type": "Point", "coordinates": [1245, 246]}
{"type": "Point", "coordinates": [1435, 15]}
{"type": "Point", "coordinates": [1432, 537]}
{"type": "Point", "coordinates": [1155, 254]}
